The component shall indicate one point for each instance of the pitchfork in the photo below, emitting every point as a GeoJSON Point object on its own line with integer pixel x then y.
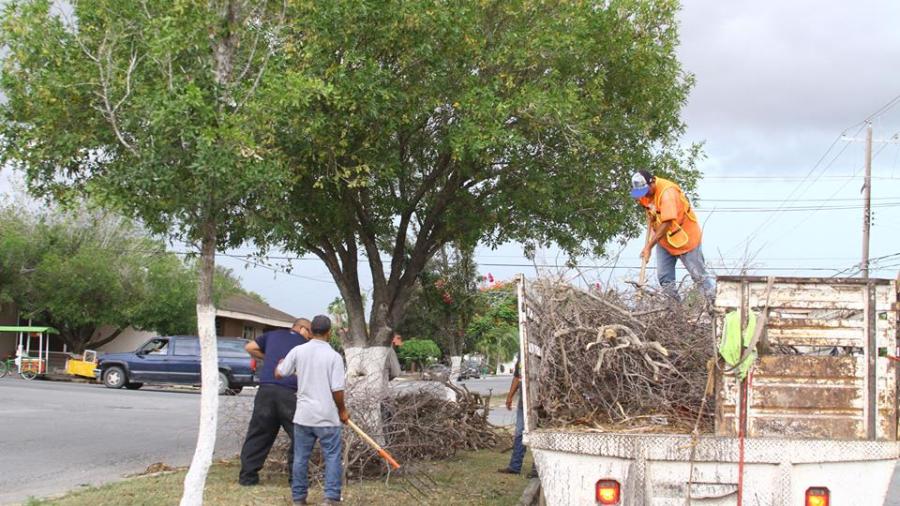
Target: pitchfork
{"type": "Point", "coordinates": [422, 486]}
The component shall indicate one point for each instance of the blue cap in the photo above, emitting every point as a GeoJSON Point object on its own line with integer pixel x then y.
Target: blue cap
{"type": "Point", "coordinates": [639, 185]}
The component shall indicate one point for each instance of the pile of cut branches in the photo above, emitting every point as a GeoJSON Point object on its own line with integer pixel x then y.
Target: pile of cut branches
{"type": "Point", "coordinates": [612, 362]}
{"type": "Point", "coordinates": [421, 426]}
{"type": "Point", "coordinates": [418, 425]}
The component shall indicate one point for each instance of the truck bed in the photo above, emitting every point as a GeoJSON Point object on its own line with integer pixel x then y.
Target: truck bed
{"type": "Point", "coordinates": [654, 469]}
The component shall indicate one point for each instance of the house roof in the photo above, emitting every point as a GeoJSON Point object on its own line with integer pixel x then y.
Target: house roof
{"type": "Point", "coordinates": [14, 328]}
{"type": "Point", "coordinates": [244, 307]}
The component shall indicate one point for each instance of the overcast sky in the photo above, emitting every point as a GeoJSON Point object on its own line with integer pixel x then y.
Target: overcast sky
{"type": "Point", "coordinates": [777, 83]}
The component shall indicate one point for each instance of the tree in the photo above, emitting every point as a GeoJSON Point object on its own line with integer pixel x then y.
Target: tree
{"type": "Point", "coordinates": [444, 300]}
{"type": "Point", "coordinates": [80, 270]}
{"type": "Point", "coordinates": [418, 351]}
{"type": "Point", "coordinates": [495, 328]}
{"type": "Point", "coordinates": [443, 122]}
{"type": "Point", "coordinates": [151, 108]}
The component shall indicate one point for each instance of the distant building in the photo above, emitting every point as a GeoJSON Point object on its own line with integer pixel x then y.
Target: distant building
{"type": "Point", "coordinates": [239, 315]}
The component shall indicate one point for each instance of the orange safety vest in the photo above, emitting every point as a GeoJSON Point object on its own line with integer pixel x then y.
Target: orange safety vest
{"type": "Point", "coordinates": [684, 234]}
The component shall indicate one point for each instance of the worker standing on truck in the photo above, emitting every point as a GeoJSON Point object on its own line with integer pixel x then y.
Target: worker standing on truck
{"type": "Point", "coordinates": [674, 230]}
{"type": "Point", "coordinates": [275, 400]}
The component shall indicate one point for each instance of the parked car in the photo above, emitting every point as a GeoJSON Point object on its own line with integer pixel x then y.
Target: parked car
{"type": "Point", "coordinates": [469, 370]}
{"type": "Point", "coordinates": [436, 372]}
{"type": "Point", "coordinates": [176, 360]}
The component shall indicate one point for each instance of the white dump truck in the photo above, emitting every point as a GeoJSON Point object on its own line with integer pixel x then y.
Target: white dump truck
{"type": "Point", "coordinates": [818, 426]}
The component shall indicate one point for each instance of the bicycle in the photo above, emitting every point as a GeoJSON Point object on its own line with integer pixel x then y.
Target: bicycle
{"type": "Point", "coordinates": [29, 372]}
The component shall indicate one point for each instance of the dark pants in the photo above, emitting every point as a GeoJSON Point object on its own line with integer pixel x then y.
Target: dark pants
{"type": "Point", "coordinates": [273, 408]}
{"type": "Point", "coordinates": [518, 451]}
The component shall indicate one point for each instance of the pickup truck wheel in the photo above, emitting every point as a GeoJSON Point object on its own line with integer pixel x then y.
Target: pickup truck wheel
{"type": "Point", "coordinates": [133, 386]}
{"type": "Point", "coordinates": [223, 383]}
{"type": "Point", "coordinates": [114, 377]}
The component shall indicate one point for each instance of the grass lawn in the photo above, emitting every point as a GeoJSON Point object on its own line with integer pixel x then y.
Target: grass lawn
{"type": "Point", "coordinates": [469, 479]}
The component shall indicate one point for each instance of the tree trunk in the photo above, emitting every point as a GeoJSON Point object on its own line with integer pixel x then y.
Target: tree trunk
{"type": "Point", "coordinates": [93, 344]}
{"type": "Point", "coordinates": [455, 365]}
{"type": "Point", "coordinates": [195, 480]}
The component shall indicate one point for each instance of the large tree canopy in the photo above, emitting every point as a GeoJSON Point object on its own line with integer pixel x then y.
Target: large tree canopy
{"type": "Point", "coordinates": [151, 107]}
{"type": "Point", "coordinates": [81, 271]}
{"type": "Point", "coordinates": [437, 121]}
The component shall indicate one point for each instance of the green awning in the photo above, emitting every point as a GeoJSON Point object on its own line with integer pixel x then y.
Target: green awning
{"type": "Point", "coordinates": [13, 328]}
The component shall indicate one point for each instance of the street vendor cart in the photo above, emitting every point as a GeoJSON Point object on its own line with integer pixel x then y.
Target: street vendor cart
{"type": "Point", "coordinates": [29, 361]}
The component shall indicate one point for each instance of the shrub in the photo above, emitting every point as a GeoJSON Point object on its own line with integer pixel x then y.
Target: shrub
{"type": "Point", "coordinates": [418, 351]}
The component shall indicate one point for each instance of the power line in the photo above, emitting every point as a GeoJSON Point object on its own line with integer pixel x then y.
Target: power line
{"type": "Point", "coordinates": [792, 208]}
{"type": "Point", "coordinates": [854, 199]}
{"type": "Point", "coordinates": [274, 269]}
{"type": "Point", "coordinates": [722, 266]}
{"type": "Point", "coordinates": [782, 179]}
{"type": "Point", "coordinates": [815, 167]}
{"type": "Point", "coordinates": [855, 174]}
{"type": "Point", "coordinates": [881, 110]}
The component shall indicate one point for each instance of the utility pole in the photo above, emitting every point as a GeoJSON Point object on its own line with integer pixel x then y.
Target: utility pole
{"type": "Point", "coordinates": [867, 196]}
{"type": "Point", "coordinates": [867, 192]}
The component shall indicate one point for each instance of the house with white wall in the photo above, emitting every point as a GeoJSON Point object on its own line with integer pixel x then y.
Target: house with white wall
{"type": "Point", "coordinates": [239, 315]}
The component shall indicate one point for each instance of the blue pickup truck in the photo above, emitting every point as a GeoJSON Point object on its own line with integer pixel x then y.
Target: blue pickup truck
{"type": "Point", "coordinates": [176, 360]}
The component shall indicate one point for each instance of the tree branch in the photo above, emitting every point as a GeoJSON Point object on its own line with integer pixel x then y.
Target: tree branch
{"type": "Point", "coordinates": [400, 240]}
{"type": "Point", "coordinates": [108, 110]}
{"type": "Point", "coordinates": [100, 342]}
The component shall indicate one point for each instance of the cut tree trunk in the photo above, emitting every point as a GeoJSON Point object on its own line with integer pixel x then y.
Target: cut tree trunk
{"type": "Point", "coordinates": [367, 384]}
{"type": "Point", "coordinates": [455, 364]}
{"type": "Point", "coordinates": [195, 480]}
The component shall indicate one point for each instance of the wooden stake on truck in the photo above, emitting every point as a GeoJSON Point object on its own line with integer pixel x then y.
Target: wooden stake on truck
{"type": "Point", "coordinates": [820, 415]}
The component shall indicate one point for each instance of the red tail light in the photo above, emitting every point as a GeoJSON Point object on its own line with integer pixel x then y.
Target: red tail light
{"type": "Point", "coordinates": [818, 496]}
{"type": "Point", "coordinates": [608, 492]}
{"type": "Point", "coordinates": [253, 364]}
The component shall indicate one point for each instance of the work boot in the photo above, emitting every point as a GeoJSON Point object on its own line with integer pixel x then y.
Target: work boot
{"type": "Point", "coordinates": [507, 470]}
{"type": "Point", "coordinates": [331, 502]}
{"type": "Point", "coordinates": [248, 481]}
{"type": "Point", "coordinates": [301, 501]}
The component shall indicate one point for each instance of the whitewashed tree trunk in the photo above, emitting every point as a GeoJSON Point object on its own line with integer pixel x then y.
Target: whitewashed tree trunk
{"type": "Point", "coordinates": [195, 481]}
{"type": "Point", "coordinates": [367, 385]}
{"type": "Point", "coordinates": [455, 365]}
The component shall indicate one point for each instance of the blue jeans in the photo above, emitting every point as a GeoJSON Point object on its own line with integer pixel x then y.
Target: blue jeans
{"type": "Point", "coordinates": [696, 266]}
{"type": "Point", "coordinates": [330, 441]}
{"type": "Point", "coordinates": [518, 451]}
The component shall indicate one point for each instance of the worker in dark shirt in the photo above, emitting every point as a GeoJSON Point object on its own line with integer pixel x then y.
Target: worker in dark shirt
{"type": "Point", "coordinates": [275, 401]}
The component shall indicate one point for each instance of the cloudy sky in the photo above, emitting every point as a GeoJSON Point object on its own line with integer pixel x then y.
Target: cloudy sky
{"type": "Point", "coordinates": [777, 84]}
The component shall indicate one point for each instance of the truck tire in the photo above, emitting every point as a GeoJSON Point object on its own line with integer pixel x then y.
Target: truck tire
{"type": "Point", "coordinates": [223, 383]}
{"type": "Point", "coordinates": [133, 386]}
{"type": "Point", "coordinates": [114, 377]}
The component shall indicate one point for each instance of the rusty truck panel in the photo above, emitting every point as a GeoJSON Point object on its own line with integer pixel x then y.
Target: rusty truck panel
{"type": "Point", "coordinates": [825, 374]}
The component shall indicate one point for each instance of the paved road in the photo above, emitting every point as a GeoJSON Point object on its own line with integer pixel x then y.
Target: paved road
{"type": "Point", "coordinates": [496, 384]}
{"type": "Point", "coordinates": [57, 436]}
